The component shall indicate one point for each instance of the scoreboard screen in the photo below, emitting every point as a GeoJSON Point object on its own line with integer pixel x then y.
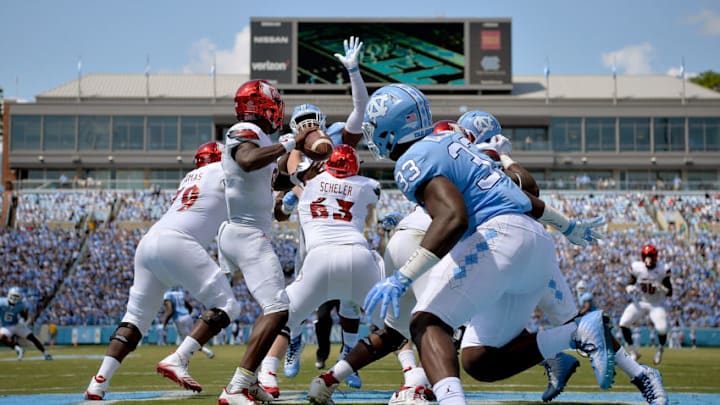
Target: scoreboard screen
{"type": "Point", "coordinates": [443, 52]}
{"type": "Point", "coordinates": [419, 54]}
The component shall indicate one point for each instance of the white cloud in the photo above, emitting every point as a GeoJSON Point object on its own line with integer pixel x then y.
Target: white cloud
{"type": "Point", "coordinates": [709, 20]}
{"type": "Point", "coordinates": [235, 60]}
{"type": "Point", "coordinates": [632, 59]}
{"type": "Point", "coordinates": [675, 71]}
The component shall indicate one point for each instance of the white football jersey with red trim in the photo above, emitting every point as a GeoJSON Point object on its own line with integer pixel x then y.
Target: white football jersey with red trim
{"type": "Point", "coordinates": [248, 195]}
{"type": "Point", "coordinates": [198, 207]}
{"type": "Point", "coordinates": [333, 211]}
{"type": "Point", "coordinates": [649, 280]}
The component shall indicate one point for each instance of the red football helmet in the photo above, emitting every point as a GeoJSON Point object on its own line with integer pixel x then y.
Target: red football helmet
{"type": "Point", "coordinates": [649, 255]}
{"type": "Point", "coordinates": [208, 153]}
{"type": "Point", "coordinates": [259, 99]}
{"type": "Point", "coordinates": [450, 125]}
{"type": "Point", "coordinates": [344, 162]}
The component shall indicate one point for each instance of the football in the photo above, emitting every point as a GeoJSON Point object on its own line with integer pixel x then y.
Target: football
{"type": "Point", "coordinates": [317, 146]}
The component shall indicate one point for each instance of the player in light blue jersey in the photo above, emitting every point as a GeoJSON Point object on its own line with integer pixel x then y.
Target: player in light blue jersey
{"type": "Point", "coordinates": [178, 310]}
{"type": "Point", "coordinates": [490, 249]}
{"type": "Point", "coordinates": [13, 315]}
{"type": "Point", "coordinates": [584, 297]}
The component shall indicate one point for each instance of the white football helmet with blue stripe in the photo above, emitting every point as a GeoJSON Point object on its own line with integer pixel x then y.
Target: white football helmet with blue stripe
{"type": "Point", "coordinates": [307, 115]}
{"type": "Point", "coordinates": [14, 295]}
{"type": "Point", "coordinates": [395, 114]}
{"type": "Point", "coordinates": [482, 124]}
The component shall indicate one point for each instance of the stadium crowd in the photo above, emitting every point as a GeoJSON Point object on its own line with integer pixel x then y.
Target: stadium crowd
{"type": "Point", "coordinates": [94, 292]}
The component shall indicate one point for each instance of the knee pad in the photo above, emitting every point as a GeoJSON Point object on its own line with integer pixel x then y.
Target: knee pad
{"type": "Point", "coordinates": [391, 340]}
{"type": "Point", "coordinates": [132, 339]}
{"type": "Point", "coordinates": [216, 319]}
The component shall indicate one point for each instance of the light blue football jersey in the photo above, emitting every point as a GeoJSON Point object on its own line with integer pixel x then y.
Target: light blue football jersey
{"type": "Point", "coordinates": [177, 300]}
{"type": "Point", "coordinates": [11, 314]}
{"type": "Point", "coordinates": [486, 190]}
{"type": "Point", "coordinates": [334, 131]}
{"type": "Point", "coordinates": [586, 296]}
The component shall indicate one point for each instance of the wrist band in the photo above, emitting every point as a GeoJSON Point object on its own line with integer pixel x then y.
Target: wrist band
{"type": "Point", "coordinates": [289, 145]}
{"type": "Point", "coordinates": [354, 69]}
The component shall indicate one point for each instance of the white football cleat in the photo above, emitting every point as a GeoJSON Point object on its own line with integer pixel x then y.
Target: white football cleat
{"type": "Point", "coordinates": [20, 352]}
{"type": "Point", "coordinates": [650, 384]}
{"type": "Point", "coordinates": [268, 381]}
{"type": "Point", "coordinates": [242, 397]}
{"type": "Point", "coordinates": [260, 394]}
{"type": "Point", "coordinates": [322, 388]}
{"type": "Point", "coordinates": [410, 396]}
{"type": "Point", "coordinates": [97, 388]}
{"type": "Point", "coordinates": [174, 367]}
{"type": "Point", "coordinates": [657, 358]}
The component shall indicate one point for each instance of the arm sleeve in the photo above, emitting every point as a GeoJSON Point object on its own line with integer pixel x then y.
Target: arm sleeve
{"type": "Point", "coordinates": [360, 98]}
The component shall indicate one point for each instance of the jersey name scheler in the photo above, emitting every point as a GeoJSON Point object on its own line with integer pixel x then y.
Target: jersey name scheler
{"type": "Point", "coordinates": [248, 195]}
{"type": "Point", "coordinates": [333, 211]}
{"type": "Point", "coordinates": [198, 207]}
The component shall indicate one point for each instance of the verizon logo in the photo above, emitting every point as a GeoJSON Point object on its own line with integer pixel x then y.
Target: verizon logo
{"type": "Point", "coordinates": [267, 66]}
{"type": "Point", "coordinates": [271, 39]}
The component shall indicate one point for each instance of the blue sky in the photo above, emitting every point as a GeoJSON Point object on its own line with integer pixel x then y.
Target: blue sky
{"type": "Point", "coordinates": [42, 40]}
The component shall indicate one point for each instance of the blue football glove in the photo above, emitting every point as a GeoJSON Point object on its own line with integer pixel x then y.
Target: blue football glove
{"type": "Point", "coordinates": [390, 221]}
{"type": "Point", "coordinates": [583, 232]}
{"type": "Point", "coordinates": [352, 54]}
{"type": "Point", "coordinates": [289, 202]}
{"type": "Point", "coordinates": [387, 291]}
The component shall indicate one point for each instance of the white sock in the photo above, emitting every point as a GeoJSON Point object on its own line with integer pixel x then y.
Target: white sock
{"type": "Point", "coordinates": [631, 367]}
{"type": "Point", "coordinates": [242, 379]}
{"type": "Point", "coordinates": [416, 377]}
{"type": "Point", "coordinates": [449, 391]}
{"type": "Point", "coordinates": [407, 359]}
{"type": "Point", "coordinates": [350, 339]}
{"type": "Point", "coordinates": [17, 348]}
{"type": "Point", "coordinates": [270, 364]}
{"type": "Point", "coordinates": [188, 347]}
{"type": "Point", "coordinates": [341, 370]}
{"type": "Point", "coordinates": [108, 367]}
{"type": "Point", "coordinates": [552, 341]}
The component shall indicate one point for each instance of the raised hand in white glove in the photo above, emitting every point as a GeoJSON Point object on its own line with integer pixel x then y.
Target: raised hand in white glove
{"type": "Point", "coordinates": [583, 232]}
{"type": "Point", "coordinates": [630, 289]}
{"type": "Point", "coordinates": [351, 59]}
{"type": "Point", "coordinates": [501, 144]}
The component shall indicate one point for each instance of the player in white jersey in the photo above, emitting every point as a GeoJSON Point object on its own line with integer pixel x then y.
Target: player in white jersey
{"type": "Point", "coordinates": [650, 285]}
{"type": "Point", "coordinates": [251, 173]}
{"type": "Point", "coordinates": [178, 310]}
{"type": "Point", "coordinates": [173, 252]}
{"type": "Point", "coordinates": [349, 133]}
{"type": "Point", "coordinates": [334, 208]}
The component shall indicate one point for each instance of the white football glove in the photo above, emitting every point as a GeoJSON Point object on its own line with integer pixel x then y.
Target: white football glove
{"type": "Point", "coordinates": [351, 59]}
{"type": "Point", "coordinates": [583, 232]}
{"type": "Point", "coordinates": [501, 144]}
{"type": "Point", "coordinates": [631, 289]}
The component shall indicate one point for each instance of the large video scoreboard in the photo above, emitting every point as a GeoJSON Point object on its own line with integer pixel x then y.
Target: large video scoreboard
{"type": "Point", "coordinates": [443, 52]}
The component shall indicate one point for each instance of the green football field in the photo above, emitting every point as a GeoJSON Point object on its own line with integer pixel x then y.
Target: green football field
{"type": "Point", "coordinates": [34, 381]}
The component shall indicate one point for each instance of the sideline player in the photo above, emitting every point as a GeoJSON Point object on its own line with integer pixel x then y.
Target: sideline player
{"type": "Point", "coordinates": [585, 298]}
{"type": "Point", "coordinates": [178, 309]}
{"type": "Point", "coordinates": [649, 285]}
{"type": "Point", "coordinates": [173, 252]}
{"type": "Point", "coordinates": [13, 315]}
